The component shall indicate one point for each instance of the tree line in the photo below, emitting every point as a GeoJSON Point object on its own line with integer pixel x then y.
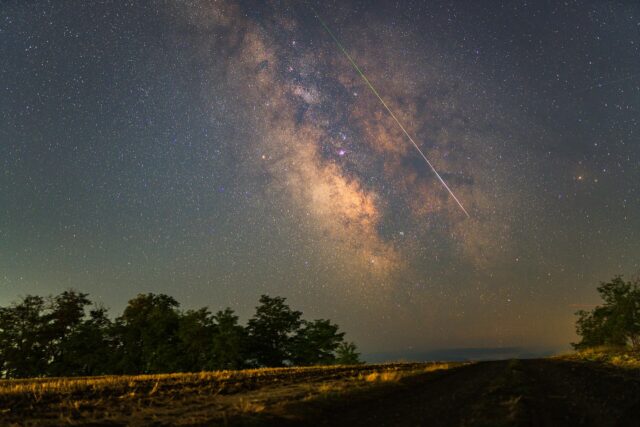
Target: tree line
{"type": "Point", "coordinates": [617, 321]}
{"type": "Point", "coordinates": [68, 335]}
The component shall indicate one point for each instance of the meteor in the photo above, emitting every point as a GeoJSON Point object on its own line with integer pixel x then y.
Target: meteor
{"type": "Point", "coordinates": [384, 104]}
{"type": "Point", "coordinates": [610, 82]}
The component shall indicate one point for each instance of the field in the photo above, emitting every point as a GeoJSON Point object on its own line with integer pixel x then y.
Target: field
{"type": "Point", "coordinates": [571, 390]}
{"type": "Point", "coordinates": [224, 397]}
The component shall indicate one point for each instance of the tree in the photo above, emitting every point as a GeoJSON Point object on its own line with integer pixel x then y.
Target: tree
{"type": "Point", "coordinates": [23, 338]}
{"type": "Point", "coordinates": [346, 354]}
{"type": "Point", "coordinates": [617, 321]}
{"type": "Point", "coordinates": [67, 335]}
{"type": "Point", "coordinates": [88, 350]}
{"type": "Point", "coordinates": [64, 321]}
{"type": "Point", "coordinates": [316, 342]}
{"type": "Point", "coordinates": [229, 342]}
{"type": "Point", "coordinates": [147, 332]}
{"type": "Point", "coordinates": [196, 333]}
{"type": "Point", "coordinates": [53, 337]}
{"type": "Point", "coordinates": [271, 331]}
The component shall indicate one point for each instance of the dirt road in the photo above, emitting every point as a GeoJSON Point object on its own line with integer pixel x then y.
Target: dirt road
{"type": "Point", "coordinates": [502, 393]}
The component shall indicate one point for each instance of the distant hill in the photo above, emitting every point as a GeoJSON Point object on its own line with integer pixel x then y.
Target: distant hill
{"type": "Point", "coordinates": [461, 354]}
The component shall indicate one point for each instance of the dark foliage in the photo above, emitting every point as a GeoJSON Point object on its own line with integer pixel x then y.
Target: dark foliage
{"type": "Point", "coordinates": [24, 338]}
{"type": "Point", "coordinates": [68, 335]}
{"type": "Point", "coordinates": [617, 321]}
{"type": "Point", "coordinates": [272, 330]}
{"type": "Point", "coordinates": [347, 354]}
{"type": "Point", "coordinates": [230, 342]}
{"type": "Point", "coordinates": [316, 343]}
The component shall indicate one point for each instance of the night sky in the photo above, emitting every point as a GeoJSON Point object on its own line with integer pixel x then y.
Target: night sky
{"type": "Point", "coordinates": [220, 150]}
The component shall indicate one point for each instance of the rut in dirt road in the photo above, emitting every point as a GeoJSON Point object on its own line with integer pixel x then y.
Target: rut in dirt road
{"type": "Point", "coordinates": [503, 393]}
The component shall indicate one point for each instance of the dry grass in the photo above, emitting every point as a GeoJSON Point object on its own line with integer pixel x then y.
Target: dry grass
{"type": "Point", "coordinates": [188, 398]}
{"type": "Point", "coordinates": [617, 356]}
{"type": "Point", "coordinates": [152, 383]}
{"type": "Point", "coordinates": [395, 374]}
{"type": "Point", "coordinates": [387, 376]}
{"type": "Point", "coordinates": [132, 383]}
{"type": "Point", "coordinates": [325, 388]}
{"type": "Point", "coordinates": [246, 406]}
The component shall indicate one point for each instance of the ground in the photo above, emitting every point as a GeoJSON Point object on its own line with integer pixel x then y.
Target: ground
{"type": "Point", "coordinates": [540, 392]}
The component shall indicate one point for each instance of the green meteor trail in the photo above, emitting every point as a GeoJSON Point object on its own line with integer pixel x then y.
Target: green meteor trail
{"type": "Point", "coordinates": [384, 104]}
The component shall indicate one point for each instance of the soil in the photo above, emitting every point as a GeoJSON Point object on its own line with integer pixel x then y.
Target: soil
{"type": "Point", "coordinates": [503, 393]}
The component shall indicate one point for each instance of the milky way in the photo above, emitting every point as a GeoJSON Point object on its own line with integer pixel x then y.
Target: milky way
{"type": "Point", "coordinates": [218, 150]}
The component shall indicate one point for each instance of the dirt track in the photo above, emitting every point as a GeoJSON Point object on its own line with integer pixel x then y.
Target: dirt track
{"type": "Point", "coordinates": [520, 393]}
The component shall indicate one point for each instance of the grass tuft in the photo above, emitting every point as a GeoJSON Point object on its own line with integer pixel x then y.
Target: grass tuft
{"type": "Point", "coordinates": [622, 357]}
{"type": "Point", "coordinates": [246, 406]}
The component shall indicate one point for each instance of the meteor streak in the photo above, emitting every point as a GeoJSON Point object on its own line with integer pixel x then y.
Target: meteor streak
{"type": "Point", "coordinates": [610, 82]}
{"type": "Point", "coordinates": [384, 104]}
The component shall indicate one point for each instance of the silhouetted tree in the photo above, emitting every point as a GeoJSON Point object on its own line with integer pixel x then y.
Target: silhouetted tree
{"type": "Point", "coordinates": [346, 354]}
{"type": "Point", "coordinates": [617, 321]}
{"type": "Point", "coordinates": [147, 331]}
{"type": "Point", "coordinates": [57, 337]}
{"type": "Point", "coordinates": [196, 334]}
{"type": "Point", "coordinates": [271, 331]}
{"type": "Point", "coordinates": [23, 338]}
{"type": "Point", "coordinates": [229, 342]}
{"type": "Point", "coordinates": [64, 321]}
{"type": "Point", "coordinates": [316, 342]}
{"type": "Point", "coordinates": [88, 350]}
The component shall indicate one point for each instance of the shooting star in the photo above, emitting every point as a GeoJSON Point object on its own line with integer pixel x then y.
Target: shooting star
{"type": "Point", "coordinates": [608, 83]}
{"type": "Point", "coordinates": [384, 104]}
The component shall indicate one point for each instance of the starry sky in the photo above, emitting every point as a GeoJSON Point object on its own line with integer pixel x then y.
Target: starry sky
{"type": "Point", "coordinates": [220, 150]}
